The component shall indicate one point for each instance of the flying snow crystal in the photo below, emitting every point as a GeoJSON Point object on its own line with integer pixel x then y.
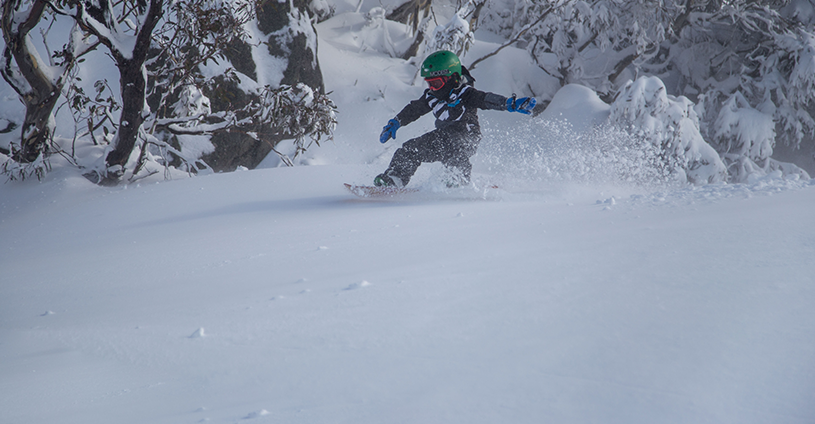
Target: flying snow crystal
{"type": "Point", "coordinates": [199, 333]}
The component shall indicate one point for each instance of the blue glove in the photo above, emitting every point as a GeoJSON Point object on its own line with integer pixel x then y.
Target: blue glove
{"type": "Point", "coordinates": [389, 132]}
{"type": "Point", "coordinates": [523, 105]}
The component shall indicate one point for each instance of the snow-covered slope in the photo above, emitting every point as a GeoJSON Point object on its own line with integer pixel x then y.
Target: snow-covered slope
{"type": "Point", "coordinates": [277, 296]}
{"type": "Point", "coordinates": [568, 295]}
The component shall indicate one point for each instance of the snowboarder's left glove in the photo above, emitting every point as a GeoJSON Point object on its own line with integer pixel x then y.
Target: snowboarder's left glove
{"type": "Point", "coordinates": [389, 132]}
{"type": "Point", "coordinates": [523, 105]}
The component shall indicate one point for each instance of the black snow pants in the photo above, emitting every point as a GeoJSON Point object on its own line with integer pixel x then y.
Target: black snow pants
{"type": "Point", "coordinates": [450, 147]}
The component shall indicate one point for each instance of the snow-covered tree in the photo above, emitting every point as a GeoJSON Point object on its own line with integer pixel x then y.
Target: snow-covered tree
{"type": "Point", "coordinates": [742, 57]}
{"type": "Point", "coordinates": [584, 42]}
{"type": "Point", "coordinates": [277, 65]}
{"type": "Point", "coordinates": [37, 77]}
{"type": "Point", "coordinates": [166, 106]}
{"type": "Point", "coordinates": [126, 29]}
{"type": "Point", "coordinates": [753, 71]}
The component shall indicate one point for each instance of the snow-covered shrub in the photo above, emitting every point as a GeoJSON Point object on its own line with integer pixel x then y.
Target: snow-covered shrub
{"type": "Point", "coordinates": [321, 9]}
{"type": "Point", "coordinates": [188, 136]}
{"type": "Point", "coordinates": [455, 36]}
{"type": "Point", "coordinates": [788, 81]}
{"type": "Point", "coordinates": [375, 24]}
{"type": "Point", "coordinates": [15, 170]}
{"type": "Point", "coordinates": [200, 142]}
{"type": "Point", "coordinates": [296, 112]}
{"type": "Point", "coordinates": [191, 103]}
{"type": "Point", "coordinates": [787, 170]}
{"type": "Point", "coordinates": [745, 136]}
{"type": "Point", "coordinates": [670, 123]}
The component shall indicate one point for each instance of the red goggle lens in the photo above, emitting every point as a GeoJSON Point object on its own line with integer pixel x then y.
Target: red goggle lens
{"type": "Point", "coordinates": [436, 83]}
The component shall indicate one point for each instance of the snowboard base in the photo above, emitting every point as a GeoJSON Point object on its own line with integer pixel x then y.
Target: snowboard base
{"type": "Point", "coordinates": [374, 191]}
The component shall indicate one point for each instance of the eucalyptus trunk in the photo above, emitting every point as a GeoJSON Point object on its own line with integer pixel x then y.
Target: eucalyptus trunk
{"type": "Point", "coordinates": [37, 91]}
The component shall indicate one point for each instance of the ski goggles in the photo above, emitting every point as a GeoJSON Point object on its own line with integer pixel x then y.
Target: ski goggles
{"type": "Point", "coordinates": [436, 83]}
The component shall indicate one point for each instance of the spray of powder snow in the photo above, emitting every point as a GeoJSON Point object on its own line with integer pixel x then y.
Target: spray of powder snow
{"type": "Point", "coordinates": [545, 152]}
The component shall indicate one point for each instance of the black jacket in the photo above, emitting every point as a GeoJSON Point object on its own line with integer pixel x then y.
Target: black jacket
{"type": "Point", "coordinates": [456, 111]}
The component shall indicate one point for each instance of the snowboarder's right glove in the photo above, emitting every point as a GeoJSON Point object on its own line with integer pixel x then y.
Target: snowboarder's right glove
{"type": "Point", "coordinates": [389, 132]}
{"type": "Point", "coordinates": [523, 105]}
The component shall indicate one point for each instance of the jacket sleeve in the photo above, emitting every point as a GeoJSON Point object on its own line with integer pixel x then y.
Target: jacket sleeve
{"type": "Point", "coordinates": [414, 110]}
{"type": "Point", "coordinates": [489, 101]}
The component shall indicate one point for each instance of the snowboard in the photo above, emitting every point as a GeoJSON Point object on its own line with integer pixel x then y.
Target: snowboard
{"type": "Point", "coordinates": [374, 191]}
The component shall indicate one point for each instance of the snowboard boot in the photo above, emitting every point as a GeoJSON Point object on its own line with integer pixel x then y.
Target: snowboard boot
{"type": "Point", "coordinates": [455, 178]}
{"type": "Point", "coordinates": [385, 180]}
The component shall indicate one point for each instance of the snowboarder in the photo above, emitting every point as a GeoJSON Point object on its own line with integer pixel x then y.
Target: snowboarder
{"type": "Point", "coordinates": [454, 102]}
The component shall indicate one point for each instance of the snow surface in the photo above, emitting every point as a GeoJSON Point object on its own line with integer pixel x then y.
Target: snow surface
{"type": "Point", "coordinates": [574, 293]}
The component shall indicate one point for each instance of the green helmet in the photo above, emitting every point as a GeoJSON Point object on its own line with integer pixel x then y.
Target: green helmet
{"type": "Point", "coordinates": [441, 63]}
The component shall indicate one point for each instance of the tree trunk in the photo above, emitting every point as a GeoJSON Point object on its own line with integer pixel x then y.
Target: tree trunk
{"type": "Point", "coordinates": [41, 95]}
{"type": "Point", "coordinates": [37, 129]}
{"type": "Point", "coordinates": [132, 82]}
{"type": "Point", "coordinates": [132, 79]}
